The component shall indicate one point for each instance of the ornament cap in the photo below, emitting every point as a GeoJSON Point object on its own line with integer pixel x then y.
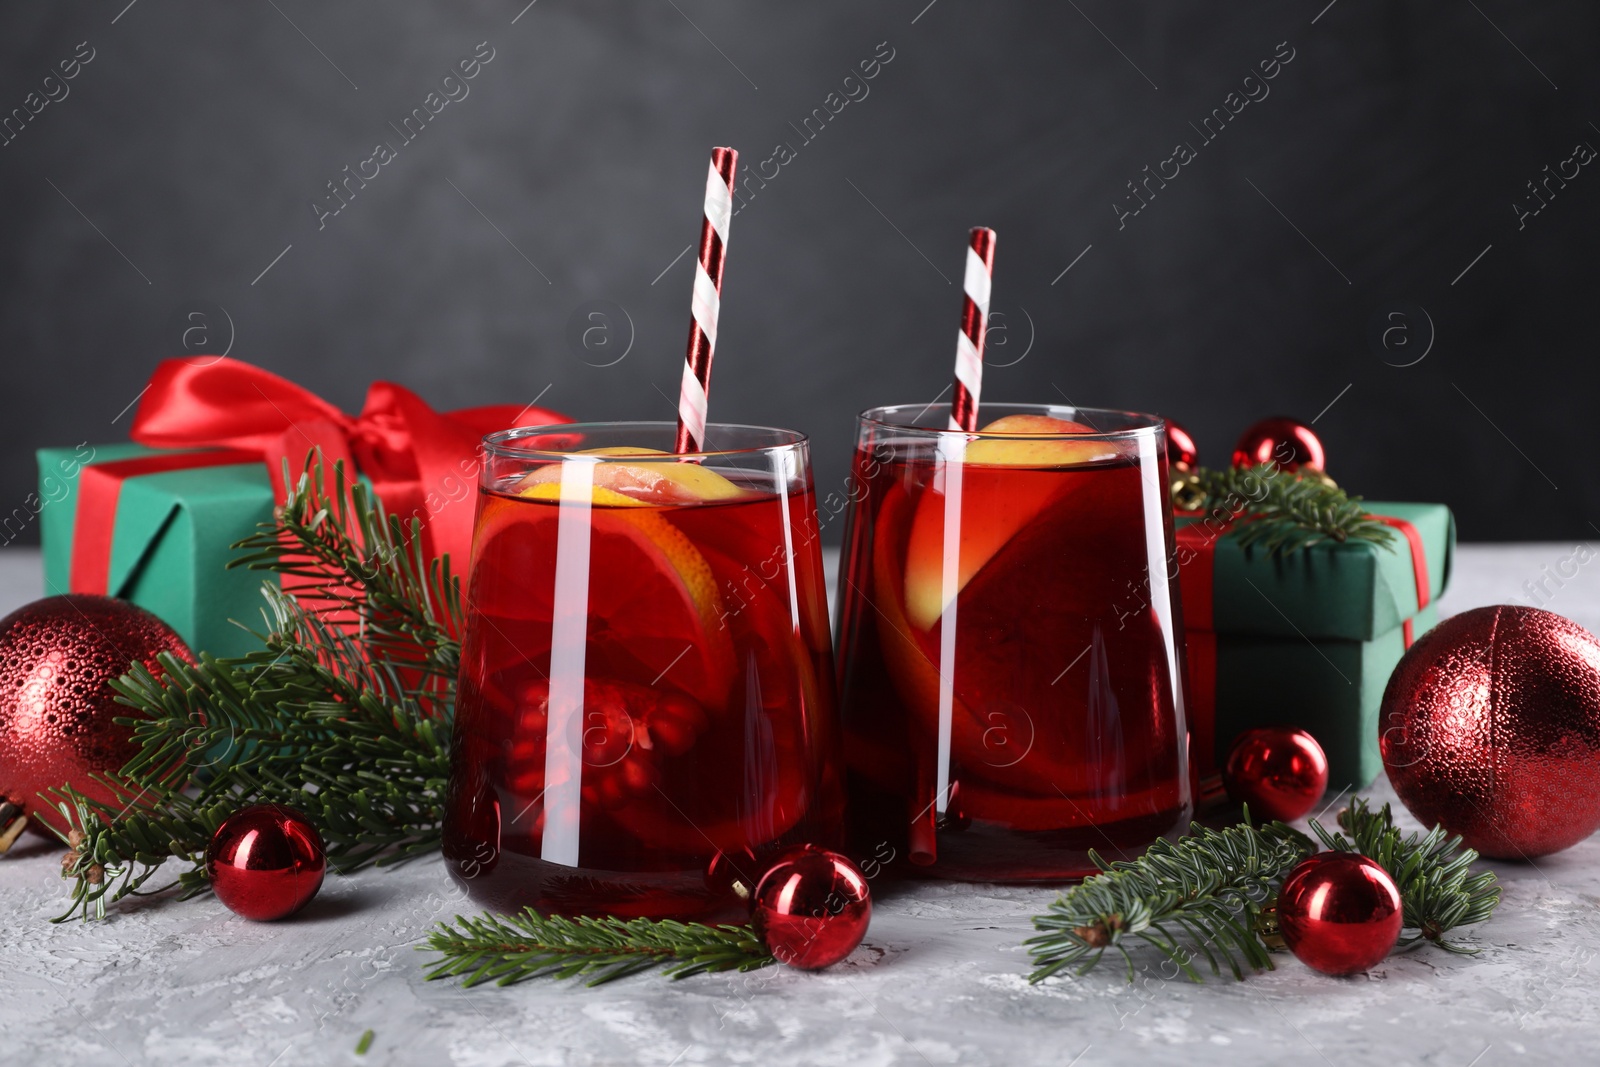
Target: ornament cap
{"type": "Point", "coordinates": [12, 823]}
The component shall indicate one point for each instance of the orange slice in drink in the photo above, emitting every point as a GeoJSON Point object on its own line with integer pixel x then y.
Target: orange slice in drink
{"type": "Point", "coordinates": [747, 781]}
{"type": "Point", "coordinates": [655, 611]}
{"type": "Point", "coordinates": [668, 481]}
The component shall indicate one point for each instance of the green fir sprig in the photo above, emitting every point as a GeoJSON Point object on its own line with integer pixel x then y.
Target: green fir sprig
{"type": "Point", "coordinates": [1438, 890]}
{"type": "Point", "coordinates": [1210, 894]}
{"type": "Point", "coordinates": [1200, 895]}
{"type": "Point", "coordinates": [1282, 511]}
{"type": "Point", "coordinates": [514, 948]}
{"type": "Point", "coordinates": [344, 713]}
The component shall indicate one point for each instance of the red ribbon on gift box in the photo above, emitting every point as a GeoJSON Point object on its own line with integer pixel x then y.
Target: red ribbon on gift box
{"type": "Point", "coordinates": [415, 457]}
{"type": "Point", "coordinates": [1196, 583]}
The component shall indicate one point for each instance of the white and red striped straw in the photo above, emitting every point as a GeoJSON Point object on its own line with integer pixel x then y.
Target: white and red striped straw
{"type": "Point", "coordinates": [707, 300]}
{"type": "Point", "coordinates": [974, 327]}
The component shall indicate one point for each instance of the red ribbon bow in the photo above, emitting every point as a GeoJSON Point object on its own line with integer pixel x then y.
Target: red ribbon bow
{"type": "Point", "coordinates": [420, 461]}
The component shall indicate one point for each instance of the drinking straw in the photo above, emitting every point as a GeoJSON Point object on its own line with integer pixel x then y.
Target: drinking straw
{"type": "Point", "coordinates": [974, 327]}
{"type": "Point", "coordinates": [963, 418]}
{"type": "Point", "coordinates": [707, 300]}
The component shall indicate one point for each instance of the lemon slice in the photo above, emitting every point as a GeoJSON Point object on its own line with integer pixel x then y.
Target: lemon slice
{"type": "Point", "coordinates": [670, 481]}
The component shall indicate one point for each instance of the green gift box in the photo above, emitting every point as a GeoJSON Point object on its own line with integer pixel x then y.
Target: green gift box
{"type": "Point", "coordinates": [1306, 638]}
{"type": "Point", "coordinates": [154, 522]}
{"type": "Point", "coordinates": [169, 547]}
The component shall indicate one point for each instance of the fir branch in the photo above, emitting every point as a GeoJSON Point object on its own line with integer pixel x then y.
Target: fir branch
{"type": "Point", "coordinates": [1283, 511]}
{"type": "Point", "coordinates": [1211, 892]}
{"type": "Point", "coordinates": [343, 557]}
{"type": "Point", "coordinates": [514, 948]}
{"type": "Point", "coordinates": [115, 848]}
{"type": "Point", "coordinates": [1202, 894]}
{"type": "Point", "coordinates": [1432, 871]}
{"type": "Point", "coordinates": [344, 713]}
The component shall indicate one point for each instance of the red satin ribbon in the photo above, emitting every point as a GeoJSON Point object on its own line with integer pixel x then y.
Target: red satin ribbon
{"type": "Point", "coordinates": [1197, 583]}
{"type": "Point", "coordinates": [420, 461]}
{"type": "Point", "coordinates": [1419, 567]}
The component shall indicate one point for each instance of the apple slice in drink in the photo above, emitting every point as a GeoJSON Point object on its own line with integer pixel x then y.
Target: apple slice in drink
{"type": "Point", "coordinates": [995, 504]}
{"type": "Point", "coordinates": [1058, 650]}
{"type": "Point", "coordinates": [912, 657]}
{"type": "Point", "coordinates": [1035, 596]}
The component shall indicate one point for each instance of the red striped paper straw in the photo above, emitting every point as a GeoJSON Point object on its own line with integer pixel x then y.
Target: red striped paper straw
{"type": "Point", "coordinates": [707, 300]}
{"type": "Point", "coordinates": [974, 327]}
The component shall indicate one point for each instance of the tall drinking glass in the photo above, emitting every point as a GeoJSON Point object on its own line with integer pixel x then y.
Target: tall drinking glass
{"type": "Point", "coordinates": [646, 701]}
{"type": "Point", "coordinates": [1010, 675]}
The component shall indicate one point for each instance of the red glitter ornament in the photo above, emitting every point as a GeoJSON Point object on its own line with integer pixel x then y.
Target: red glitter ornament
{"type": "Point", "coordinates": [1281, 442]}
{"type": "Point", "coordinates": [811, 908]}
{"type": "Point", "coordinates": [266, 862]}
{"type": "Point", "coordinates": [1181, 449]}
{"type": "Point", "coordinates": [1491, 729]}
{"type": "Point", "coordinates": [57, 710]}
{"type": "Point", "coordinates": [1339, 912]}
{"type": "Point", "coordinates": [1279, 771]}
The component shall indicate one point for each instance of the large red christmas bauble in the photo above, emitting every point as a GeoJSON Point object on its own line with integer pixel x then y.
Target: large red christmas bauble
{"type": "Point", "coordinates": [56, 709]}
{"type": "Point", "coordinates": [266, 862]}
{"type": "Point", "coordinates": [811, 908]}
{"type": "Point", "coordinates": [1490, 727]}
{"type": "Point", "coordinates": [1281, 442]}
{"type": "Point", "coordinates": [1339, 912]}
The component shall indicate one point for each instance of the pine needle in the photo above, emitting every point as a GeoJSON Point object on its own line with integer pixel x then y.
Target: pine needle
{"type": "Point", "coordinates": [1201, 895]}
{"type": "Point", "coordinates": [1209, 894]}
{"type": "Point", "coordinates": [515, 948]}
{"type": "Point", "coordinates": [1432, 871]}
{"type": "Point", "coordinates": [1282, 512]}
{"type": "Point", "coordinates": [344, 713]}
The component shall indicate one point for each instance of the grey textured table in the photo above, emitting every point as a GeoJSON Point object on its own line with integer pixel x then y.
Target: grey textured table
{"type": "Point", "coordinates": [938, 981]}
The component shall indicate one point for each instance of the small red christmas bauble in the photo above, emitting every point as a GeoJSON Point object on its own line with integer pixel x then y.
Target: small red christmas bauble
{"type": "Point", "coordinates": [1281, 442]}
{"type": "Point", "coordinates": [56, 709]}
{"type": "Point", "coordinates": [1181, 449]}
{"type": "Point", "coordinates": [811, 908]}
{"type": "Point", "coordinates": [266, 862]}
{"type": "Point", "coordinates": [1490, 727]}
{"type": "Point", "coordinates": [1279, 771]}
{"type": "Point", "coordinates": [1339, 912]}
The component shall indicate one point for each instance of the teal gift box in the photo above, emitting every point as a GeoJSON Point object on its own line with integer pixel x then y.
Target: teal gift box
{"type": "Point", "coordinates": [170, 541]}
{"type": "Point", "coordinates": [155, 522]}
{"type": "Point", "coordinates": [1305, 638]}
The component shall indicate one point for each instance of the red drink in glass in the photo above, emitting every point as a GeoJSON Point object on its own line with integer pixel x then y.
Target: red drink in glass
{"type": "Point", "coordinates": [1010, 672]}
{"type": "Point", "coordinates": [645, 707]}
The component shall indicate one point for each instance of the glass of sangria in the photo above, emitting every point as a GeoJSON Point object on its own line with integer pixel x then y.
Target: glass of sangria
{"type": "Point", "coordinates": [1011, 681]}
{"type": "Point", "coordinates": [646, 706]}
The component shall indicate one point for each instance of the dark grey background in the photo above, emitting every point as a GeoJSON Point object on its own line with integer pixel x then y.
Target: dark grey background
{"type": "Point", "coordinates": [1387, 156]}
